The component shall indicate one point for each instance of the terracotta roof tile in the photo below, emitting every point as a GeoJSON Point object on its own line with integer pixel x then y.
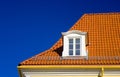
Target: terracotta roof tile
{"type": "Point", "coordinates": [103, 48]}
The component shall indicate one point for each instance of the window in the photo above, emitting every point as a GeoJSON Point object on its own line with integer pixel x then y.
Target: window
{"type": "Point", "coordinates": [74, 46]}
{"type": "Point", "coordinates": [77, 46]}
{"type": "Point", "coordinates": [70, 46]}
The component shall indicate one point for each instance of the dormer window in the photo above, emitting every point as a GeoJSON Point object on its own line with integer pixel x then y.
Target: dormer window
{"type": "Point", "coordinates": [74, 43]}
{"type": "Point", "coordinates": [74, 46]}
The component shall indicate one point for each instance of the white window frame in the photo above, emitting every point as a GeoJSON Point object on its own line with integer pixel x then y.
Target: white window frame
{"type": "Point", "coordinates": [74, 46]}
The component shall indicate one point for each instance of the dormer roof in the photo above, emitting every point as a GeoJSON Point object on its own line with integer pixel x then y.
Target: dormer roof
{"type": "Point", "coordinates": [74, 32]}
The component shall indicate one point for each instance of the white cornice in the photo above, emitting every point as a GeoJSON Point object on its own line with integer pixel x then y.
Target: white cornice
{"type": "Point", "coordinates": [74, 32]}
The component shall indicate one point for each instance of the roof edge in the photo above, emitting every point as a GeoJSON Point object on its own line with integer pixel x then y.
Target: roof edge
{"type": "Point", "coordinates": [66, 66]}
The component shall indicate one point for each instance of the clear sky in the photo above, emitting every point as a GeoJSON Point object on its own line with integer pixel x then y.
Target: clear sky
{"type": "Point", "coordinates": [28, 27]}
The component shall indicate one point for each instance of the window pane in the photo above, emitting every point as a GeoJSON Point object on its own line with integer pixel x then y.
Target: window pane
{"type": "Point", "coordinates": [70, 52]}
{"type": "Point", "coordinates": [77, 52]}
{"type": "Point", "coordinates": [77, 40]}
{"type": "Point", "coordinates": [70, 40]}
{"type": "Point", "coordinates": [70, 46]}
{"type": "Point", "coordinates": [77, 46]}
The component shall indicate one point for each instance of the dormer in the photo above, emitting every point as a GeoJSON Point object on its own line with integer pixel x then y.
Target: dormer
{"type": "Point", "coordinates": [74, 44]}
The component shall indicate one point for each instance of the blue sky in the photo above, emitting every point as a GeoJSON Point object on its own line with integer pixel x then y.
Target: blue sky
{"type": "Point", "coordinates": [28, 27]}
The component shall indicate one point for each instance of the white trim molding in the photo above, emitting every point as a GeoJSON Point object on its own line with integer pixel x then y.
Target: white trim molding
{"type": "Point", "coordinates": [74, 32]}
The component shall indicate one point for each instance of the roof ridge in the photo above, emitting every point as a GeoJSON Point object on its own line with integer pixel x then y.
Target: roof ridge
{"type": "Point", "coordinates": [102, 13]}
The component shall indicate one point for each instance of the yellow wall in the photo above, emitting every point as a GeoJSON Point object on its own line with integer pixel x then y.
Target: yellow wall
{"type": "Point", "coordinates": [102, 67]}
{"type": "Point", "coordinates": [64, 76]}
{"type": "Point", "coordinates": [111, 76]}
{"type": "Point", "coordinates": [74, 76]}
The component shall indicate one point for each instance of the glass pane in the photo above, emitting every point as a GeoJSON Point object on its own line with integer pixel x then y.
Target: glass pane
{"type": "Point", "coordinates": [77, 46]}
{"type": "Point", "coordinates": [70, 46]}
{"type": "Point", "coordinates": [77, 40]}
{"type": "Point", "coordinates": [70, 40]}
{"type": "Point", "coordinates": [70, 52]}
{"type": "Point", "coordinates": [77, 52]}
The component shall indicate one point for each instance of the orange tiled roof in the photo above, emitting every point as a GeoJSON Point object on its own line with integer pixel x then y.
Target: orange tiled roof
{"type": "Point", "coordinates": [104, 43]}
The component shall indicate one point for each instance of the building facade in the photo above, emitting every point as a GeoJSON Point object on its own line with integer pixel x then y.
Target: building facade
{"type": "Point", "coordinates": [90, 48]}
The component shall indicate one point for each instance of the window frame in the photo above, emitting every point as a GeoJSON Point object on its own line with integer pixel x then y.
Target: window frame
{"type": "Point", "coordinates": [74, 46]}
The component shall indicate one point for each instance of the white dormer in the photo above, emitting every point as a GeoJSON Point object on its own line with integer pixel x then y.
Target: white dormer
{"type": "Point", "coordinates": [74, 43]}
